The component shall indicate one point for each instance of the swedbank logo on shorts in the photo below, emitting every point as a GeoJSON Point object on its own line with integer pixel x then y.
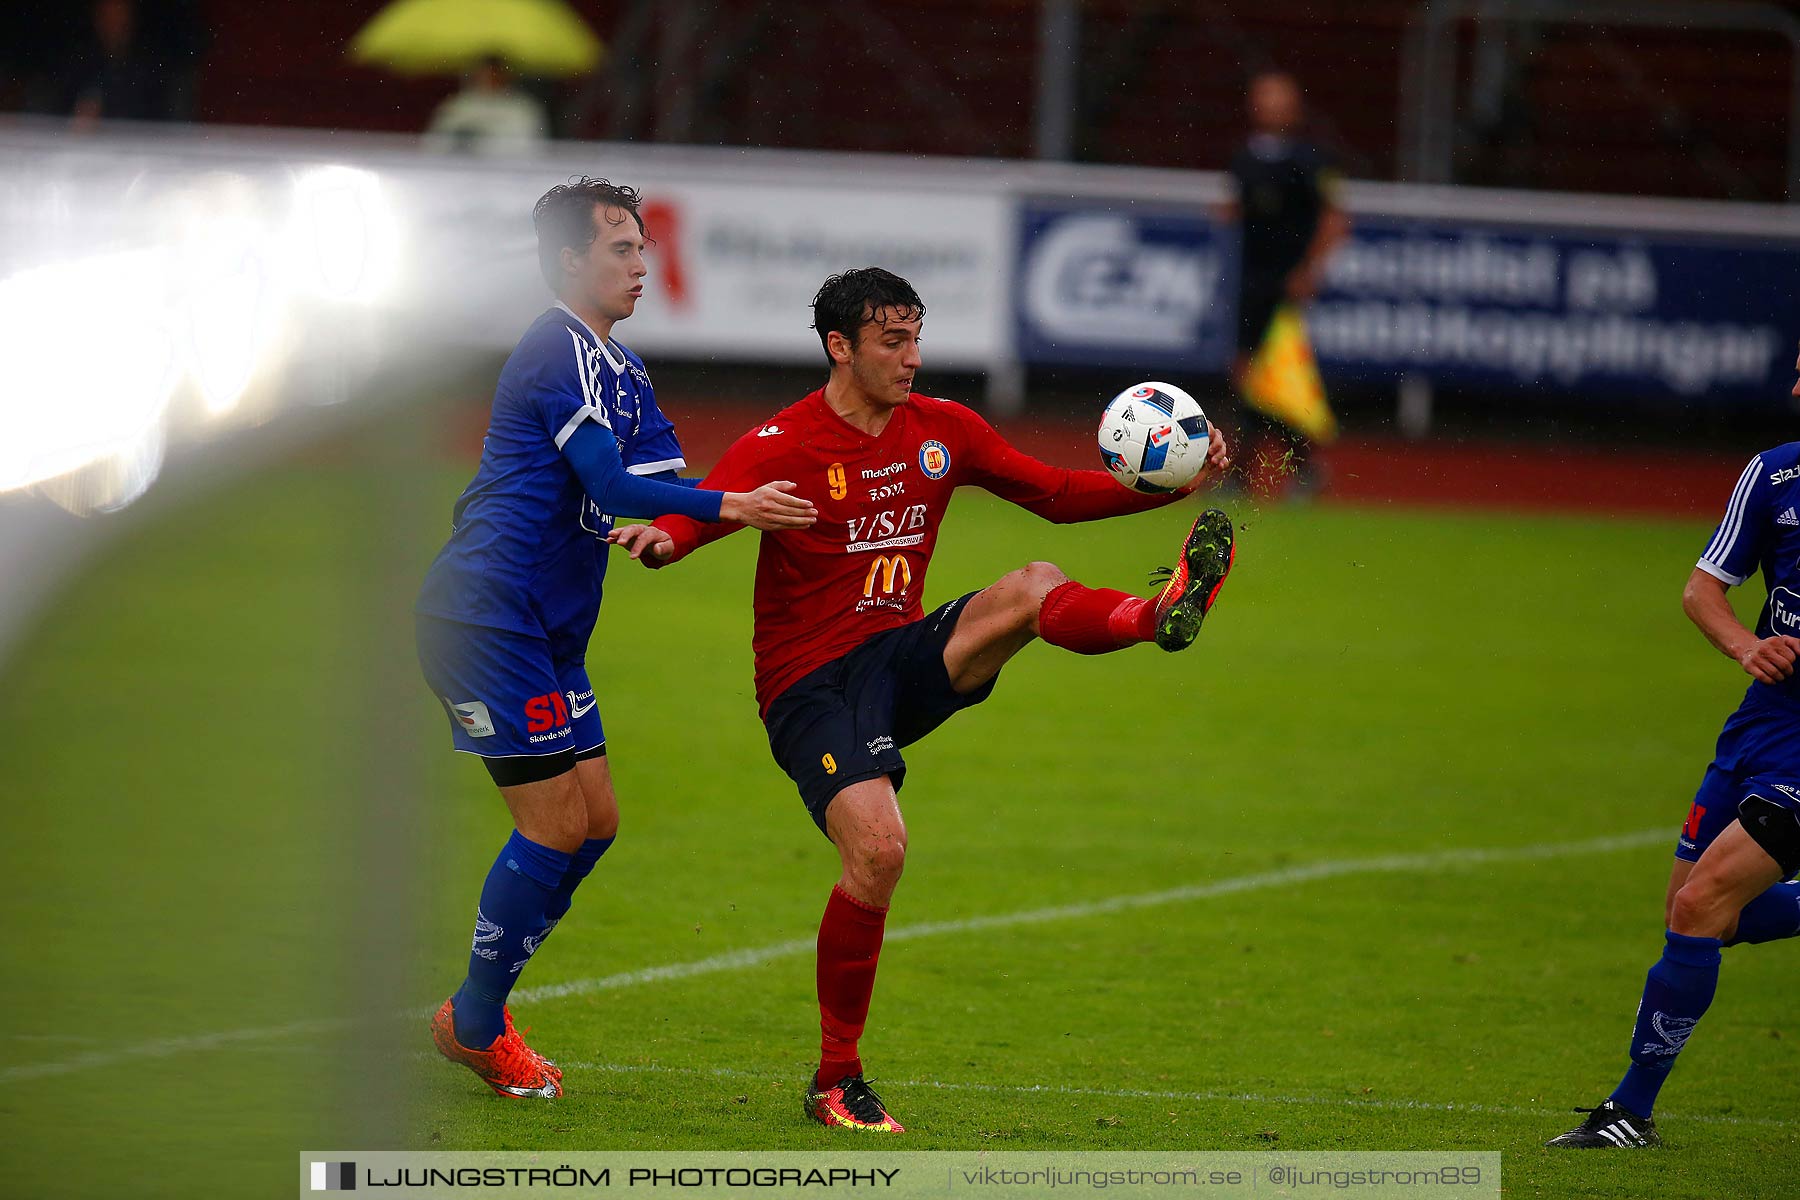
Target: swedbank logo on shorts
{"type": "Point", "coordinates": [472, 715]}
{"type": "Point", "coordinates": [934, 459]}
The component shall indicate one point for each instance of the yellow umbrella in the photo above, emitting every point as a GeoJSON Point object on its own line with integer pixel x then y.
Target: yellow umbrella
{"type": "Point", "coordinates": [430, 37]}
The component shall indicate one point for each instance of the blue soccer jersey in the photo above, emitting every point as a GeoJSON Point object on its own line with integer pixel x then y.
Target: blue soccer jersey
{"type": "Point", "coordinates": [527, 551]}
{"type": "Point", "coordinates": [1761, 531]}
{"type": "Point", "coordinates": [1758, 751]}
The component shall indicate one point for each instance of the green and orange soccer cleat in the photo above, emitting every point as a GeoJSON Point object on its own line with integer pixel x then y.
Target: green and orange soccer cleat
{"type": "Point", "coordinates": [1191, 586]}
{"type": "Point", "coordinates": [508, 1066]}
{"type": "Point", "coordinates": [849, 1104]}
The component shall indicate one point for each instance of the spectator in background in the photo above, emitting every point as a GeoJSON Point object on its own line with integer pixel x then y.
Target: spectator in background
{"type": "Point", "coordinates": [488, 116]}
{"type": "Point", "coordinates": [1286, 203]}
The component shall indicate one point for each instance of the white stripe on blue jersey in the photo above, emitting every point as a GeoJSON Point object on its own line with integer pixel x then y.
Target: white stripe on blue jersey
{"type": "Point", "coordinates": [1734, 511]}
{"type": "Point", "coordinates": [586, 412]}
{"type": "Point", "coordinates": [1720, 573]}
{"type": "Point", "coordinates": [1725, 540]}
{"type": "Point", "coordinates": [583, 370]}
{"type": "Point", "coordinates": [593, 387]}
{"type": "Point", "coordinates": [657, 468]}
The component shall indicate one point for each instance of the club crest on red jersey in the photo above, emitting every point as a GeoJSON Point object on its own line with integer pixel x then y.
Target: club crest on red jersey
{"type": "Point", "coordinates": [934, 459]}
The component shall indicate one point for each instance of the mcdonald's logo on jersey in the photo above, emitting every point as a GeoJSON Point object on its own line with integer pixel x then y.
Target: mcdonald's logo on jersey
{"type": "Point", "coordinates": [891, 571]}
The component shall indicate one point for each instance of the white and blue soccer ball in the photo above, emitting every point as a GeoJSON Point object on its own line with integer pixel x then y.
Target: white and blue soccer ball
{"type": "Point", "coordinates": [1153, 438]}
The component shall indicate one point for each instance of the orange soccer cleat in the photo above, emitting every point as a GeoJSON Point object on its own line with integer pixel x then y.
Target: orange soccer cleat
{"type": "Point", "coordinates": [508, 1066]}
{"type": "Point", "coordinates": [1191, 587]}
{"type": "Point", "coordinates": [850, 1104]}
{"type": "Point", "coordinates": [549, 1063]}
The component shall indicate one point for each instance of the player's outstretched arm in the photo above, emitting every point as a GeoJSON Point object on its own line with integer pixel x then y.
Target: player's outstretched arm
{"type": "Point", "coordinates": [771, 507]}
{"type": "Point", "coordinates": [595, 457]}
{"type": "Point", "coordinates": [1704, 600]}
{"type": "Point", "coordinates": [594, 454]}
{"type": "Point", "coordinates": [760, 508]}
{"type": "Point", "coordinates": [1067, 496]}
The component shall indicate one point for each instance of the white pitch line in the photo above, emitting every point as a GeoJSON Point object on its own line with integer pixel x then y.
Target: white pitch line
{"type": "Point", "coordinates": [166, 1047]}
{"type": "Point", "coordinates": [731, 960]}
{"type": "Point", "coordinates": [1051, 1089]}
{"type": "Point", "coordinates": [736, 960]}
{"type": "Point", "coordinates": [1282, 877]}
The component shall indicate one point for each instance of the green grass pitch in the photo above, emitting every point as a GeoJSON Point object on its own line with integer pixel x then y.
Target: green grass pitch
{"type": "Point", "coordinates": [1230, 899]}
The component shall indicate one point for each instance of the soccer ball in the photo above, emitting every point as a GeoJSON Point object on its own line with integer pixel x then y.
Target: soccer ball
{"type": "Point", "coordinates": [1153, 438]}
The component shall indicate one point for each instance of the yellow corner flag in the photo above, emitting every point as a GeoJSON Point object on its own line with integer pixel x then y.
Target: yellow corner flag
{"type": "Point", "coordinates": [1283, 380]}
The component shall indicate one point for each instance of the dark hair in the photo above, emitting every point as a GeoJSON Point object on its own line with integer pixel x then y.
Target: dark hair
{"type": "Point", "coordinates": [564, 216]}
{"type": "Point", "coordinates": [848, 301]}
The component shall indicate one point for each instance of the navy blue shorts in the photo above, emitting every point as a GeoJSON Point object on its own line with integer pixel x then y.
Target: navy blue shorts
{"type": "Point", "coordinates": [508, 695]}
{"type": "Point", "coordinates": [1757, 761]}
{"type": "Point", "coordinates": [1719, 802]}
{"type": "Point", "coordinates": [848, 721]}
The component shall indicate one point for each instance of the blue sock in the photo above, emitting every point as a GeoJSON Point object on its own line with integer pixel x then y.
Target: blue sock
{"type": "Point", "coordinates": [1770, 917]}
{"type": "Point", "coordinates": [508, 927]}
{"type": "Point", "coordinates": [581, 863]}
{"type": "Point", "coordinates": [1676, 995]}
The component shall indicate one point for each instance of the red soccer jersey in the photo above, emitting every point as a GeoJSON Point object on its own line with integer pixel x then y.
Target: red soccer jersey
{"type": "Point", "coordinates": [823, 591]}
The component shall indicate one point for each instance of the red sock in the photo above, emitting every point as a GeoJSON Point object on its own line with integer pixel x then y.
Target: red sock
{"type": "Point", "coordinates": [849, 948]}
{"type": "Point", "coordinates": [1094, 620]}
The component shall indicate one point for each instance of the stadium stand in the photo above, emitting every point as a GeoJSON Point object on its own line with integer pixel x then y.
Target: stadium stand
{"type": "Point", "coordinates": [1587, 107]}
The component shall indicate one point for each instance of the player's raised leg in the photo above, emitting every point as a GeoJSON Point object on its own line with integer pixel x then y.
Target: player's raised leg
{"type": "Point", "coordinates": [1038, 600]}
{"type": "Point", "coordinates": [864, 823]}
{"type": "Point", "coordinates": [1003, 618]}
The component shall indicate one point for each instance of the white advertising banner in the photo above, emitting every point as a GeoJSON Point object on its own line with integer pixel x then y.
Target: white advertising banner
{"type": "Point", "coordinates": [734, 269]}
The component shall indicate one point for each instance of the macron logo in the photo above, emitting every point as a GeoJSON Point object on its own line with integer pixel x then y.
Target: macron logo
{"type": "Point", "coordinates": [1788, 518]}
{"type": "Point", "coordinates": [769, 431]}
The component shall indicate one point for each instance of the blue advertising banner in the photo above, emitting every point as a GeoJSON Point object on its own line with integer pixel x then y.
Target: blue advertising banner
{"type": "Point", "coordinates": [1557, 309]}
{"type": "Point", "coordinates": [1118, 286]}
{"type": "Point", "coordinates": [1564, 310]}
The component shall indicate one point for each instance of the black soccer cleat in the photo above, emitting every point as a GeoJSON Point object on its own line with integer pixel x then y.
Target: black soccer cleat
{"type": "Point", "coordinates": [1192, 586]}
{"type": "Point", "coordinates": [1609, 1125]}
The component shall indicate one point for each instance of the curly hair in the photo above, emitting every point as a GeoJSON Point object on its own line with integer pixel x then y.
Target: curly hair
{"type": "Point", "coordinates": [849, 300]}
{"type": "Point", "coordinates": [564, 217]}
